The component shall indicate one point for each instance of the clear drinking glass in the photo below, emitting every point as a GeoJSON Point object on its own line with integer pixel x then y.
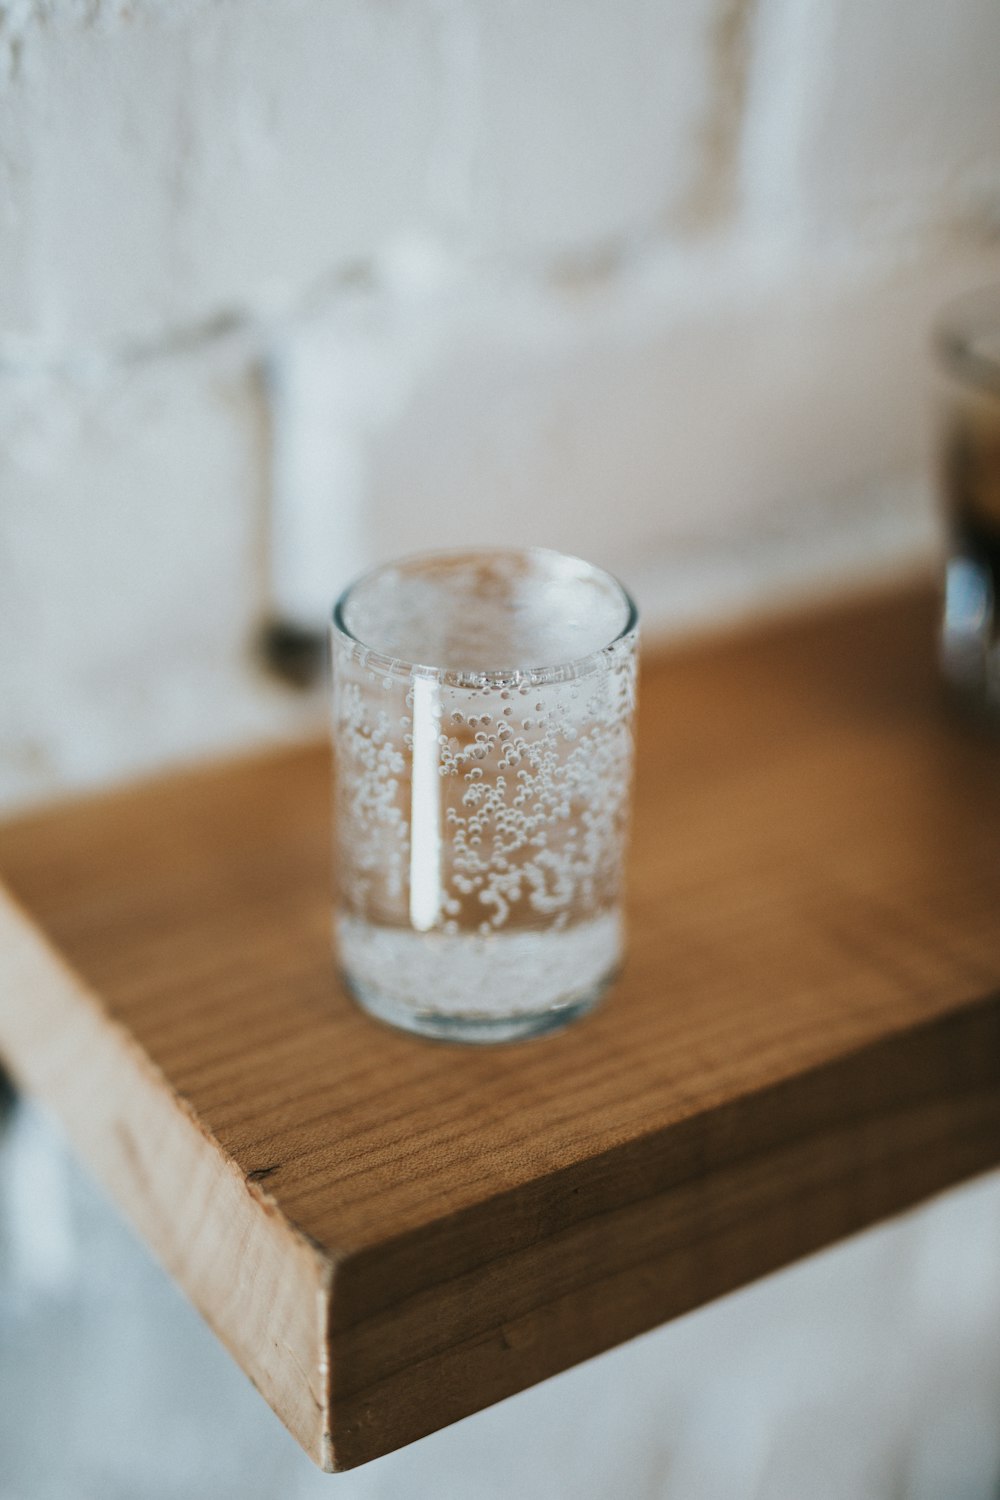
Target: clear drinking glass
{"type": "Point", "coordinates": [967, 343]}
{"type": "Point", "coordinates": [483, 714]}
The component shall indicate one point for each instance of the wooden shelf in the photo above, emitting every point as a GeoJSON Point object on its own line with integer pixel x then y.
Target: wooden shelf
{"type": "Point", "coordinates": [390, 1234]}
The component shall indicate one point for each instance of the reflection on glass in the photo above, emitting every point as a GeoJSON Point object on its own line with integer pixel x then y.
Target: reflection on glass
{"type": "Point", "coordinates": [968, 347]}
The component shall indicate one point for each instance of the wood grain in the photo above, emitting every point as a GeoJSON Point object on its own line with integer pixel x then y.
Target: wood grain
{"type": "Point", "coordinates": [389, 1233]}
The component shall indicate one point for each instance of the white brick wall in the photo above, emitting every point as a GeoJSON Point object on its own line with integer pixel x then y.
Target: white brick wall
{"type": "Point", "coordinates": [646, 280]}
{"type": "Point", "coordinates": [581, 122]}
{"type": "Point", "coordinates": [174, 163]}
{"type": "Point", "coordinates": [132, 531]}
{"type": "Point", "coordinates": [662, 422]}
{"type": "Point", "coordinates": [871, 119]}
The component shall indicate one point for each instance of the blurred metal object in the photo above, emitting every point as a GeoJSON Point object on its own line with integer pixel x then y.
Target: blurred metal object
{"type": "Point", "coordinates": [967, 346]}
{"type": "Point", "coordinates": [293, 653]}
{"type": "Point", "coordinates": [8, 1097]}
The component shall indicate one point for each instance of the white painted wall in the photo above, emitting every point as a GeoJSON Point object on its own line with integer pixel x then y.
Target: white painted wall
{"type": "Point", "coordinates": [646, 280]}
{"type": "Point", "coordinates": [287, 286]}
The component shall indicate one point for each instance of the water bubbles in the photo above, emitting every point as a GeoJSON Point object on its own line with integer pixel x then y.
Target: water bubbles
{"type": "Point", "coordinates": [528, 808]}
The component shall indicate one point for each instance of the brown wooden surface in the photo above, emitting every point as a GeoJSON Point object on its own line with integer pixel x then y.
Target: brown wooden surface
{"type": "Point", "coordinates": [391, 1233]}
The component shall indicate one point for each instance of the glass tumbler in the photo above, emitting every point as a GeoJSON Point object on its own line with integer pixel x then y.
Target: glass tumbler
{"type": "Point", "coordinates": [967, 344]}
{"type": "Point", "coordinates": [482, 729]}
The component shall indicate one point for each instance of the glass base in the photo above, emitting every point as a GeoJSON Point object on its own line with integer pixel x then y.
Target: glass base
{"type": "Point", "coordinates": [479, 987]}
{"type": "Point", "coordinates": [476, 1029]}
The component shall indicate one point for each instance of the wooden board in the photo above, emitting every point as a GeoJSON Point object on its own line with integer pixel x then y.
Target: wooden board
{"type": "Point", "coordinates": [390, 1233]}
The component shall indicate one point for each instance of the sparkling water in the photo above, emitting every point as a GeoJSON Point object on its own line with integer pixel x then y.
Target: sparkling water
{"type": "Point", "coordinates": [482, 813]}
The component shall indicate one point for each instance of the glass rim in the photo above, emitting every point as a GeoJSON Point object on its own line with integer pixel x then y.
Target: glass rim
{"type": "Point", "coordinates": [507, 676]}
{"type": "Point", "coordinates": [955, 332]}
